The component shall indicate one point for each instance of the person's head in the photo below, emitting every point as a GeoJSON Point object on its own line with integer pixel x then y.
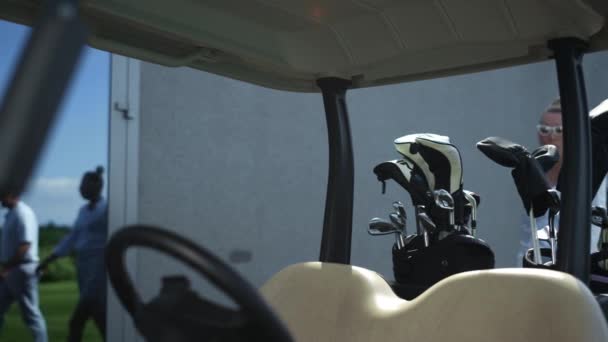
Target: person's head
{"type": "Point", "coordinates": [549, 128]}
{"type": "Point", "coordinates": [549, 131]}
{"type": "Point", "coordinates": [92, 184]}
{"type": "Point", "coordinates": [9, 199]}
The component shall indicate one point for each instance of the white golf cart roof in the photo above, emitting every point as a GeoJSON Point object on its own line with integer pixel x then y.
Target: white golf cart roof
{"type": "Point", "coordinates": [289, 44]}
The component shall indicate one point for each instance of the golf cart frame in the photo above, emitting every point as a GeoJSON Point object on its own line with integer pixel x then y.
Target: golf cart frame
{"type": "Point", "coordinates": [51, 54]}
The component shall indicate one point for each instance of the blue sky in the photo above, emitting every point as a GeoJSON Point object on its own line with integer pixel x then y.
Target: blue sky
{"type": "Point", "coordinates": [79, 140]}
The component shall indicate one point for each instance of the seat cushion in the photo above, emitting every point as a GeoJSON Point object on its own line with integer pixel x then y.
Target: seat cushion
{"type": "Point", "coordinates": [333, 302]}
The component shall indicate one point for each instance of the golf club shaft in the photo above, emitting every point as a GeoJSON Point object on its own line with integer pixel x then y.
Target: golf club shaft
{"type": "Point", "coordinates": [604, 242]}
{"type": "Point", "coordinates": [552, 236]}
{"type": "Point", "coordinates": [418, 228]}
{"type": "Point", "coordinates": [553, 250]}
{"type": "Point", "coordinates": [398, 240]}
{"type": "Point", "coordinates": [535, 244]}
{"type": "Point", "coordinates": [473, 202]}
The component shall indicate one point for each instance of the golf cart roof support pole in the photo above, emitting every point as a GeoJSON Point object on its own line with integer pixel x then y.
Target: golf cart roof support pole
{"type": "Point", "coordinates": [337, 223]}
{"type": "Point", "coordinates": [575, 174]}
{"type": "Point", "coordinates": [30, 103]}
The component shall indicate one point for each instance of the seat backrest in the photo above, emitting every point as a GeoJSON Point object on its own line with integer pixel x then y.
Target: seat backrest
{"type": "Point", "coordinates": [332, 302]}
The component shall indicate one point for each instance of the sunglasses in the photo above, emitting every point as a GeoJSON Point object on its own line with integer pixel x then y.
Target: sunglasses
{"type": "Point", "coordinates": [545, 130]}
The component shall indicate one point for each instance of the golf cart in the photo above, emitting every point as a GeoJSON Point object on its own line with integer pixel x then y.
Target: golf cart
{"type": "Point", "coordinates": [333, 46]}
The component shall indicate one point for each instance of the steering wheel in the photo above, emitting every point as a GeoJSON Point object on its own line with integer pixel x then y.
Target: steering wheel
{"type": "Point", "coordinates": [258, 316]}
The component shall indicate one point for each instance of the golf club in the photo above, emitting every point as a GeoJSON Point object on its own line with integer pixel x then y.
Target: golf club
{"type": "Point", "coordinates": [378, 226]}
{"type": "Point", "coordinates": [534, 231]}
{"type": "Point", "coordinates": [599, 217]}
{"type": "Point", "coordinates": [444, 200]}
{"type": "Point", "coordinates": [400, 210]}
{"type": "Point", "coordinates": [553, 211]}
{"type": "Point", "coordinates": [445, 163]}
{"type": "Point", "coordinates": [418, 209]}
{"type": "Point", "coordinates": [399, 223]}
{"type": "Point", "coordinates": [428, 225]}
{"type": "Point", "coordinates": [419, 229]}
{"type": "Point", "coordinates": [468, 195]}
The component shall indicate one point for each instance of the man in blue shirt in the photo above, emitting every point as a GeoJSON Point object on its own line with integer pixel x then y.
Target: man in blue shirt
{"type": "Point", "coordinates": [88, 240]}
{"type": "Point", "coordinates": [19, 258]}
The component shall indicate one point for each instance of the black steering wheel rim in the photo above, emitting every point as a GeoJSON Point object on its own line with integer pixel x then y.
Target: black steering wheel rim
{"type": "Point", "coordinates": [199, 259]}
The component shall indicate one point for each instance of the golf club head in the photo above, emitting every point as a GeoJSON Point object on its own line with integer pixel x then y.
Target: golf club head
{"type": "Point", "coordinates": [443, 199]}
{"type": "Point", "coordinates": [472, 197]}
{"type": "Point", "coordinates": [427, 223]}
{"type": "Point", "coordinates": [400, 208]}
{"type": "Point", "coordinates": [554, 201]}
{"type": "Point", "coordinates": [397, 221]}
{"type": "Point", "coordinates": [599, 217]}
{"type": "Point", "coordinates": [378, 226]}
{"type": "Point", "coordinates": [473, 200]}
{"type": "Point", "coordinates": [547, 156]}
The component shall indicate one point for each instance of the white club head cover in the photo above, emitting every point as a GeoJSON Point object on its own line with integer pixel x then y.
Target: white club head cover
{"type": "Point", "coordinates": [443, 147]}
{"type": "Point", "coordinates": [404, 144]}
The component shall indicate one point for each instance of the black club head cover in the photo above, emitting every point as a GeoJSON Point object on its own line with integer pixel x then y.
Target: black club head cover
{"type": "Point", "coordinates": [406, 174]}
{"type": "Point", "coordinates": [527, 173]}
{"type": "Point", "coordinates": [547, 156]}
{"type": "Point", "coordinates": [502, 151]}
{"type": "Point", "coordinates": [533, 187]}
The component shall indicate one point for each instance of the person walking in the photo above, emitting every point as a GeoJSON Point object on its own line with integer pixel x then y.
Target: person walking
{"type": "Point", "coordinates": [19, 258]}
{"type": "Point", "coordinates": [87, 239]}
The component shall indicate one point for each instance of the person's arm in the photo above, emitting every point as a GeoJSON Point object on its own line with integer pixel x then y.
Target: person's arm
{"type": "Point", "coordinates": [66, 245]}
{"type": "Point", "coordinates": [18, 257]}
{"type": "Point", "coordinates": [25, 238]}
{"type": "Point", "coordinates": [45, 263]}
{"type": "Point", "coordinates": [63, 248]}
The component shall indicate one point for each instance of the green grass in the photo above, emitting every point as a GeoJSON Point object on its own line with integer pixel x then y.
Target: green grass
{"type": "Point", "coordinates": [57, 300]}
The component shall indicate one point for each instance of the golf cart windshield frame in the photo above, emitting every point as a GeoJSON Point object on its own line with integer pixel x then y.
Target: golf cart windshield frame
{"type": "Point", "coordinates": [31, 102]}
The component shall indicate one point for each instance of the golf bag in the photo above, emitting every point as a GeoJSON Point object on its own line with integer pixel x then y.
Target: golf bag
{"type": "Point", "coordinates": [444, 246]}
{"type": "Point", "coordinates": [425, 266]}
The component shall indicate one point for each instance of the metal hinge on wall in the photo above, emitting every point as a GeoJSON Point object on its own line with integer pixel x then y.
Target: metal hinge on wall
{"type": "Point", "coordinates": [124, 109]}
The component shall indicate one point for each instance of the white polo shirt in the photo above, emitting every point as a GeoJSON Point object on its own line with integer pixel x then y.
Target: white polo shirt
{"type": "Point", "coordinates": [525, 241]}
{"type": "Point", "coordinates": [20, 226]}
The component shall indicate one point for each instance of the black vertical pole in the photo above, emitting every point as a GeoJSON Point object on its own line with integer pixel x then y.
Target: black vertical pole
{"type": "Point", "coordinates": [30, 103]}
{"type": "Point", "coordinates": [337, 223]}
{"type": "Point", "coordinates": [575, 175]}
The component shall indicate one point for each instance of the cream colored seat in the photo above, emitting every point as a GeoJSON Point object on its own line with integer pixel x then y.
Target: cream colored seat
{"type": "Point", "coordinates": [331, 302]}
